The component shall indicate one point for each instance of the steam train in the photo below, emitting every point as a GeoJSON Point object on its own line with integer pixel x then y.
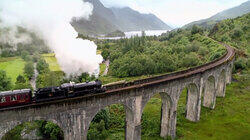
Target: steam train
{"type": "Point", "coordinates": [66, 90]}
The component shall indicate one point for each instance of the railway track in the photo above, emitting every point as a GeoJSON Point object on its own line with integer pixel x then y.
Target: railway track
{"type": "Point", "coordinates": [112, 89]}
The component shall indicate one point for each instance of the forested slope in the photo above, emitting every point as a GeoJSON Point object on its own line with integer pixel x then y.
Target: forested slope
{"type": "Point", "coordinates": [235, 32]}
{"type": "Point", "coordinates": [173, 51]}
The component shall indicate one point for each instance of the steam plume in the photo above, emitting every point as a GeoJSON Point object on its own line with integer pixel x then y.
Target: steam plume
{"type": "Point", "coordinates": [51, 18]}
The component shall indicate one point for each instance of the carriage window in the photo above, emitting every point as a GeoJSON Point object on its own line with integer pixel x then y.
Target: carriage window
{"type": "Point", "coordinates": [22, 97]}
{"type": "Point", "coordinates": [13, 98]}
{"type": "Point", "coordinates": [3, 100]}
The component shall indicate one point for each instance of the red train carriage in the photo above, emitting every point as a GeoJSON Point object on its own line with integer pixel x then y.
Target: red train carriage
{"type": "Point", "coordinates": [15, 97]}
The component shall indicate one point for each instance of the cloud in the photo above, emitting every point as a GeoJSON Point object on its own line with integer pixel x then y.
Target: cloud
{"type": "Point", "coordinates": [51, 18]}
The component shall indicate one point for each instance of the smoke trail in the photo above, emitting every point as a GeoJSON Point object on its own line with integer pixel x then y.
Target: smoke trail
{"type": "Point", "coordinates": [52, 19]}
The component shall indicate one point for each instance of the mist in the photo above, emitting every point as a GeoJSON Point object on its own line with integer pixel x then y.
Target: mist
{"type": "Point", "coordinates": [51, 20]}
{"type": "Point", "coordinates": [12, 37]}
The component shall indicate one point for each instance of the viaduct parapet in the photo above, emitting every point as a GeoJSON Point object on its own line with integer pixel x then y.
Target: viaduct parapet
{"type": "Point", "coordinates": [73, 116]}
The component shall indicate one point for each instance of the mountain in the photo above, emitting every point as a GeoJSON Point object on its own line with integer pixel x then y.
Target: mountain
{"type": "Point", "coordinates": [106, 20]}
{"type": "Point", "coordinates": [133, 21]}
{"type": "Point", "coordinates": [100, 22]}
{"type": "Point", "coordinates": [234, 12]}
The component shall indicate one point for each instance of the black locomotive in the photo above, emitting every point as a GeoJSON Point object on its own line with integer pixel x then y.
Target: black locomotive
{"type": "Point", "coordinates": [66, 90]}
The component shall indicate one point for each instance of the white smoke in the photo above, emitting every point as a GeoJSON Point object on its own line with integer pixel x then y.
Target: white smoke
{"type": "Point", "coordinates": [52, 18]}
{"type": "Point", "coordinates": [12, 37]}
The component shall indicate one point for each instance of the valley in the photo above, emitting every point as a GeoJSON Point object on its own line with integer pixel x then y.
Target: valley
{"type": "Point", "coordinates": [123, 47]}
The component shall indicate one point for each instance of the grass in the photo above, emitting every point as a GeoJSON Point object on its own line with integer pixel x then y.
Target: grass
{"type": "Point", "coordinates": [13, 67]}
{"type": "Point", "coordinates": [98, 52]}
{"type": "Point", "coordinates": [52, 61]}
{"type": "Point", "coordinates": [102, 68]}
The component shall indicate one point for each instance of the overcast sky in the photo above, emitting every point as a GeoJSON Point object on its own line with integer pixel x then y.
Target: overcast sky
{"type": "Point", "coordinates": [177, 12]}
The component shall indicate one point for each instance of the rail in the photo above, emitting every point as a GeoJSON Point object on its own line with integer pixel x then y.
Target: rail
{"type": "Point", "coordinates": [123, 86]}
{"type": "Point", "coordinates": [175, 75]}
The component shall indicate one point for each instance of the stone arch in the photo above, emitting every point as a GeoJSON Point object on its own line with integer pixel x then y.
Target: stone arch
{"type": "Point", "coordinates": [192, 102]}
{"type": "Point", "coordinates": [8, 126]}
{"type": "Point", "coordinates": [209, 92]}
{"type": "Point", "coordinates": [5, 127]}
{"type": "Point", "coordinates": [221, 84]}
{"type": "Point", "coordinates": [90, 117]}
{"type": "Point", "coordinates": [164, 109]}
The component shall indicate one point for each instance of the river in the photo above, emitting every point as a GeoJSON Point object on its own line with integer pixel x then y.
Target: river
{"type": "Point", "coordinates": [136, 33]}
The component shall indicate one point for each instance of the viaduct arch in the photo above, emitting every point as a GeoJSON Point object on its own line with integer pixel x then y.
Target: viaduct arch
{"type": "Point", "coordinates": [75, 115]}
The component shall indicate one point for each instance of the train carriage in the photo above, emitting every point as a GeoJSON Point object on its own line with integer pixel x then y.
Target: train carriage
{"type": "Point", "coordinates": [15, 97]}
{"type": "Point", "coordinates": [24, 96]}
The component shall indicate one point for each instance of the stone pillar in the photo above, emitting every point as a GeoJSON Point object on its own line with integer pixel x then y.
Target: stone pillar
{"type": "Point", "coordinates": [172, 120]}
{"type": "Point", "coordinates": [72, 124]}
{"type": "Point", "coordinates": [221, 90]}
{"type": "Point", "coordinates": [165, 115]}
{"type": "Point", "coordinates": [201, 89]}
{"type": "Point", "coordinates": [133, 119]}
{"type": "Point", "coordinates": [210, 93]}
{"type": "Point", "coordinates": [229, 73]}
{"type": "Point", "coordinates": [193, 101]}
{"type": "Point", "coordinates": [169, 112]}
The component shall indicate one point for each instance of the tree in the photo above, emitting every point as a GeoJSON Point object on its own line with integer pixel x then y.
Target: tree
{"type": "Point", "coordinates": [42, 66]}
{"type": "Point", "coordinates": [29, 70]}
{"type": "Point", "coordinates": [190, 60]}
{"type": "Point", "coordinates": [196, 29]}
{"type": "Point", "coordinates": [24, 55]}
{"type": "Point", "coordinates": [52, 131]}
{"type": "Point", "coordinates": [21, 83]}
{"type": "Point", "coordinates": [105, 54]}
{"type": "Point", "coordinates": [5, 82]}
{"type": "Point", "coordinates": [48, 79]}
{"type": "Point", "coordinates": [20, 79]}
{"type": "Point", "coordinates": [237, 33]}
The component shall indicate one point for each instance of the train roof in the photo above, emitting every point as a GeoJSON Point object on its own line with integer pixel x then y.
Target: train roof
{"type": "Point", "coordinates": [14, 92]}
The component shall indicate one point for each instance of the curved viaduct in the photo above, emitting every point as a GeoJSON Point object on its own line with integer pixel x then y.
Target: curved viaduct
{"type": "Point", "coordinates": [75, 115]}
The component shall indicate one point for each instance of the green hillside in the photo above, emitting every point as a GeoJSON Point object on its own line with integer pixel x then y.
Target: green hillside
{"type": "Point", "coordinates": [235, 32]}
{"type": "Point", "coordinates": [234, 12]}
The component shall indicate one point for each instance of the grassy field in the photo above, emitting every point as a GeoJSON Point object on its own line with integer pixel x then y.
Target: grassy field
{"type": "Point", "coordinates": [52, 61]}
{"type": "Point", "coordinates": [13, 67]}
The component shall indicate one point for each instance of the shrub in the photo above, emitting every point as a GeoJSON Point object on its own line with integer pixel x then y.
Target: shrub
{"type": "Point", "coordinates": [29, 70]}
{"type": "Point", "coordinates": [5, 82]}
{"type": "Point", "coordinates": [240, 64]}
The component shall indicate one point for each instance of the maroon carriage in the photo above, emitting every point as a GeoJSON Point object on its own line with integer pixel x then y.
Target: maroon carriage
{"type": "Point", "coordinates": [15, 97]}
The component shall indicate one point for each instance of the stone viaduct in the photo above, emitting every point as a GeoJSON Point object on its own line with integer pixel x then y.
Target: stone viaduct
{"type": "Point", "coordinates": [74, 115]}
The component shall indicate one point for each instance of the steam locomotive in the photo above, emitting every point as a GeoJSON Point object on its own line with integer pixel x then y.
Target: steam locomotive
{"type": "Point", "coordinates": [66, 90]}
